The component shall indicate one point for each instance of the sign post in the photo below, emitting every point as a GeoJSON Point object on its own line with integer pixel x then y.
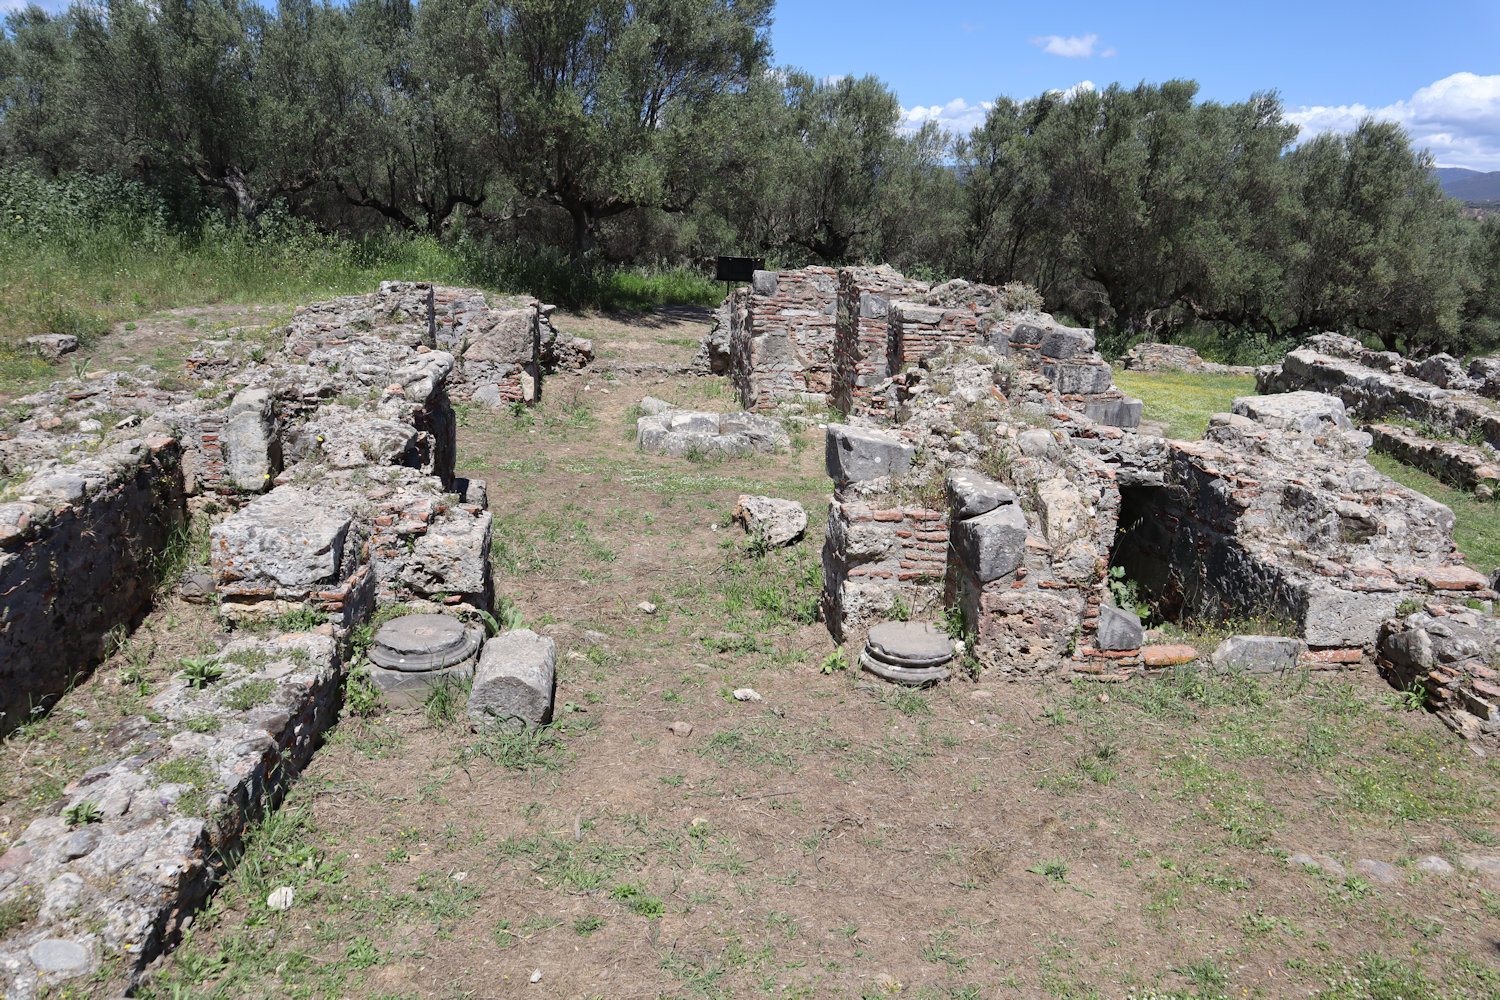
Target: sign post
{"type": "Point", "coordinates": [731, 269]}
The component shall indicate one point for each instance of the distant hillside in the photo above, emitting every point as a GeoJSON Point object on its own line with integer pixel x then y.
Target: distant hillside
{"type": "Point", "coordinates": [1469, 185]}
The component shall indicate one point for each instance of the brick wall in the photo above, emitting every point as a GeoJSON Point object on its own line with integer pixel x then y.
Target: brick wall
{"type": "Point", "coordinates": [878, 556]}
{"type": "Point", "coordinates": [861, 335]}
{"type": "Point", "coordinates": [781, 336]}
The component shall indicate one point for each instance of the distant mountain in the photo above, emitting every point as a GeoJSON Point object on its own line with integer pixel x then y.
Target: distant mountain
{"type": "Point", "coordinates": [1469, 185]}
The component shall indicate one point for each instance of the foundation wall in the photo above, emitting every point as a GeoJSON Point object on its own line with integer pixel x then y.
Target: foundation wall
{"type": "Point", "coordinates": [79, 556]}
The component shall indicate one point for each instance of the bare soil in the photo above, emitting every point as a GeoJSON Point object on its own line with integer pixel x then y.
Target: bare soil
{"type": "Point", "coordinates": [840, 837]}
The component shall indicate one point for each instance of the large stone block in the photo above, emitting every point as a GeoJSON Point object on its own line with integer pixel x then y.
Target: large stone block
{"type": "Point", "coordinates": [515, 681]}
{"type": "Point", "coordinates": [992, 545]}
{"type": "Point", "coordinates": [248, 440]}
{"type": "Point", "coordinates": [453, 558]}
{"type": "Point", "coordinates": [857, 454]}
{"type": "Point", "coordinates": [1258, 654]}
{"type": "Point", "coordinates": [971, 493]}
{"type": "Point", "coordinates": [776, 521]}
{"type": "Point", "coordinates": [1118, 629]}
{"type": "Point", "coordinates": [1301, 411]}
{"type": "Point", "coordinates": [290, 541]}
{"type": "Point", "coordinates": [1124, 412]}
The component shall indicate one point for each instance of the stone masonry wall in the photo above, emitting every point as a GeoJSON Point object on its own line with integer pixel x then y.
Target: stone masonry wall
{"type": "Point", "coordinates": [1371, 393]}
{"type": "Point", "coordinates": [781, 336]}
{"type": "Point", "coordinates": [1276, 514]}
{"type": "Point", "coordinates": [861, 338]}
{"type": "Point", "coordinates": [78, 557]}
{"type": "Point", "coordinates": [880, 554]}
{"type": "Point", "coordinates": [173, 809]}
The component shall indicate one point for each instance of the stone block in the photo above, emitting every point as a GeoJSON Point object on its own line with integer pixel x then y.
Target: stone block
{"type": "Point", "coordinates": [779, 522]}
{"type": "Point", "coordinates": [53, 345]}
{"type": "Point", "coordinates": [1124, 412]}
{"type": "Point", "coordinates": [764, 282]}
{"type": "Point", "coordinates": [992, 545]}
{"type": "Point", "coordinates": [1258, 654]}
{"type": "Point", "coordinates": [857, 454]}
{"type": "Point", "coordinates": [971, 493]}
{"type": "Point", "coordinates": [515, 680]}
{"type": "Point", "coordinates": [1118, 629]}
{"type": "Point", "coordinates": [1064, 342]}
{"type": "Point", "coordinates": [1076, 378]}
{"type": "Point", "coordinates": [1302, 411]}
{"type": "Point", "coordinates": [248, 440]}
{"type": "Point", "coordinates": [1335, 617]}
{"type": "Point", "coordinates": [290, 539]}
{"type": "Point", "coordinates": [453, 557]}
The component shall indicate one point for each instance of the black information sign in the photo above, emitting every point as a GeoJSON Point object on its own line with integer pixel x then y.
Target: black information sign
{"type": "Point", "coordinates": [739, 268]}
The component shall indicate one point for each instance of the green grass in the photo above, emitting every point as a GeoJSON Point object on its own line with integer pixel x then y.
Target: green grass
{"type": "Point", "coordinates": [1476, 530]}
{"type": "Point", "coordinates": [79, 254]}
{"type": "Point", "coordinates": [1184, 401]}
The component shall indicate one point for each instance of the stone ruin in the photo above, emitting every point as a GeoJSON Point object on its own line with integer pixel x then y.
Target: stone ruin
{"type": "Point", "coordinates": [993, 493]}
{"type": "Point", "coordinates": [326, 469]}
{"type": "Point", "coordinates": [1450, 423]}
{"type": "Point", "coordinates": [845, 337]}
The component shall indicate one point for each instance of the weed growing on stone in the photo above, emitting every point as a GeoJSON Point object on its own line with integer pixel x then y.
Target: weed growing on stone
{"type": "Point", "coordinates": [250, 694]}
{"type": "Point", "coordinates": [200, 671]}
{"type": "Point", "coordinates": [82, 813]}
{"type": "Point", "coordinates": [18, 911]}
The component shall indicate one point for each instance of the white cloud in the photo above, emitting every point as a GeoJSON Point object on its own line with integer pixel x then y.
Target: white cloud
{"type": "Point", "coordinates": [1071, 47]}
{"type": "Point", "coordinates": [1458, 118]}
{"type": "Point", "coordinates": [957, 116]}
{"type": "Point", "coordinates": [960, 117]}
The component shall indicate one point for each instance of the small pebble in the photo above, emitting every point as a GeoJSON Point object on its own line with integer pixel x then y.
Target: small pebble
{"type": "Point", "coordinates": [536, 975]}
{"type": "Point", "coordinates": [646, 607]}
{"type": "Point", "coordinates": [680, 728]}
{"type": "Point", "coordinates": [747, 694]}
{"type": "Point", "coordinates": [282, 898]}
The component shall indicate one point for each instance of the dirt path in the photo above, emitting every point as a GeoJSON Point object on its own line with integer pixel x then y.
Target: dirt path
{"type": "Point", "coordinates": [841, 837]}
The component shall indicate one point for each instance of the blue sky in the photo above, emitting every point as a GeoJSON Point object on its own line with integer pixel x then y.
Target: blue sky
{"type": "Point", "coordinates": [1433, 67]}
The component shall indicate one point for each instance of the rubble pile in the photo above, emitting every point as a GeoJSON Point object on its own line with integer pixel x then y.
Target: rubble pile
{"type": "Point", "coordinates": [1152, 357]}
{"type": "Point", "coordinates": [1449, 654]}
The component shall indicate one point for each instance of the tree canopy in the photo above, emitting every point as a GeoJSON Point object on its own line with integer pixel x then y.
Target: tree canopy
{"type": "Point", "coordinates": [654, 130]}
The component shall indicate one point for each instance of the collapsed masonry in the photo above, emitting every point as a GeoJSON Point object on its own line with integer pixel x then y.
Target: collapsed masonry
{"type": "Point", "coordinates": [988, 491]}
{"type": "Point", "coordinates": [1449, 420]}
{"type": "Point", "coordinates": [328, 468]}
{"type": "Point", "coordinates": [845, 338]}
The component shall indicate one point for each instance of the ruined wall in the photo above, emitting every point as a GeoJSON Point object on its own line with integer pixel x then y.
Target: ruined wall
{"type": "Point", "coordinates": [861, 337]}
{"type": "Point", "coordinates": [1275, 514]}
{"type": "Point", "coordinates": [78, 556]}
{"type": "Point", "coordinates": [1449, 652]}
{"type": "Point", "coordinates": [116, 893]}
{"type": "Point", "coordinates": [881, 558]}
{"type": "Point", "coordinates": [1374, 384]}
{"type": "Point", "coordinates": [1027, 564]}
{"type": "Point", "coordinates": [1462, 464]}
{"type": "Point", "coordinates": [781, 336]}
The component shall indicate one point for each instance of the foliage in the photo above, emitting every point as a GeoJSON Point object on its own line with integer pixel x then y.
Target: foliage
{"type": "Point", "coordinates": [597, 153]}
{"type": "Point", "coordinates": [200, 671]}
{"type": "Point", "coordinates": [834, 662]}
{"type": "Point", "coordinates": [82, 813]}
